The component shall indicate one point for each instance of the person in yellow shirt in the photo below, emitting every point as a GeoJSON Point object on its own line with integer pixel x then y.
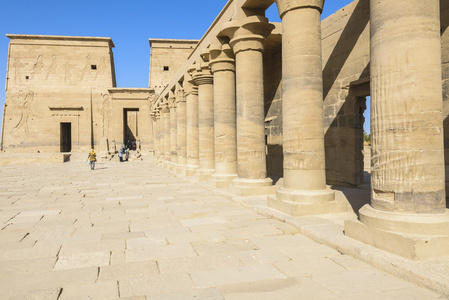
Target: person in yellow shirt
{"type": "Point", "coordinates": [92, 157]}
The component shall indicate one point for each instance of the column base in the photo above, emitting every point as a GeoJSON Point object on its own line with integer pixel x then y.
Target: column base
{"type": "Point", "coordinates": [203, 174]}
{"type": "Point", "coordinates": [160, 162]}
{"type": "Point", "coordinates": [179, 168]}
{"type": "Point", "coordinates": [189, 170]}
{"type": "Point", "coordinates": [221, 181]}
{"type": "Point", "coordinates": [304, 203]}
{"type": "Point", "coordinates": [252, 187]}
{"type": "Point", "coordinates": [172, 166]}
{"type": "Point", "coordinates": [413, 236]}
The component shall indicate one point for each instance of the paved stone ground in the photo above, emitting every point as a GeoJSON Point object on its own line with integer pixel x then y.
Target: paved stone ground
{"type": "Point", "coordinates": [136, 231]}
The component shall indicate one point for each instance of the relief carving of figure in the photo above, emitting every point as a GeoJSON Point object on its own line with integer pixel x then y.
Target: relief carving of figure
{"type": "Point", "coordinates": [105, 113]}
{"type": "Point", "coordinates": [38, 65]}
{"type": "Point", "coordinates": [67, 73]}
{"type": "Point", "coordinates": [101, 68]}
{"type": "Point", "coordinates": [17, 65]}
{"type": "Point", "coordinates": [52, 69]}
{"type": "Point", "coordinates": [86, 67]}
{"type": "Point", "coordinates": [25, 113]}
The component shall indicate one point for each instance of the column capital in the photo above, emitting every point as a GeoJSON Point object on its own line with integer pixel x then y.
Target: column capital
{"type": "Point", "coordinates": [222, 58]}
{"type": "Point", "coordinates": [201, 74]}
{"type": "Point", "coordinates": [180, 95]}
{"type": "Point", "coordinates": [165, 109]}
{"type": "Point", "coordinates": [155, 115]}
{"type": "Point", "coordinates": [172, 102]}
{"type": "Point", "coordinates": [248, 33]}
{"type": "Point", "coordinates": [287, 5]}
{"type": "Point", "coordinates": [190, 88]}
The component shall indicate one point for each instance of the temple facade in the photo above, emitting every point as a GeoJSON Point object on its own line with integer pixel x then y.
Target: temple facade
{"type": "Point", "coordinates": [273, 109]}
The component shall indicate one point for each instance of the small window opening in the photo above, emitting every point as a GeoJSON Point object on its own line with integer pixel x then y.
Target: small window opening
{"type": "Point", "coordinates": [27, 77]}
{"type": "Point", "coordinates": [93, 67]}
{"type": "Point", "coordinates": [165, 68]}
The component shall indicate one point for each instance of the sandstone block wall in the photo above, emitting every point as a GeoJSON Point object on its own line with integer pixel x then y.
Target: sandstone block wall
{"type": "Point", "coordinates": [129, 109]}
{"type": "Point", "coordinates": [445, 76]}
{"type": "Point", "coordinates": [346, 48]}
{"type": "Point", "coordinates": [54, 80]}
{"type": "Point", "coordinates": [61, 97]}
{"type": "Point", "coordinates": [166, 57]}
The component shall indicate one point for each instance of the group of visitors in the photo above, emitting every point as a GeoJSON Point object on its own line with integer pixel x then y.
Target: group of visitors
{"type": "Point", "coordinates": [123, 153]}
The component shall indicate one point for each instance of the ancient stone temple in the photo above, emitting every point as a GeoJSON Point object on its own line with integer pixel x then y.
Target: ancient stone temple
{"type": "Point", "coordinates": [61, 94]}
{"type": "Point", "coordinates": [272, 109]}
{"type": "Point", "coordinates": [258, 101]}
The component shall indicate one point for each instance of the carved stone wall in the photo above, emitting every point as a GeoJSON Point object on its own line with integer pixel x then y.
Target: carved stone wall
{"type": "Point", "coordinates": [53, 80]}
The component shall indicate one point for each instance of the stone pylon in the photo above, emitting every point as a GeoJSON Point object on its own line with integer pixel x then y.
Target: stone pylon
{"type": "Point", "coordinates": [247, 38]}
{"type": "Point", "coordinates": [181, 130]}
{"type": "Point", "coordinates": [304, 190]}
{"type": "Point", "coordinates": [191, 91]}
{"type": "Point", "coordinates": [203, 78]}
{"type": "Point", "coordinates": [223, 68]}
{"type": "Point", "coordinates": [407, 214]}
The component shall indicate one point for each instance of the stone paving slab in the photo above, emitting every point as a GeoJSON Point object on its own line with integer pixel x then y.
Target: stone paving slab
{"type": "Point", "coordinates": [136, 231]}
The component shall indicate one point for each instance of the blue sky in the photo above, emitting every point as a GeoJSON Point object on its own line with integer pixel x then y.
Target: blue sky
{"type": "Point", "coordinates": [129, 23]}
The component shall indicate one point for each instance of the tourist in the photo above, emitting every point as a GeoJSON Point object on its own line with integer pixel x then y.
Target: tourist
{"type": "Point", "coordinates": [126, 154]}
{"type": "Point", "coordinates": [120, 154]}
{"type": "Point", "coordinates": [92, 158]}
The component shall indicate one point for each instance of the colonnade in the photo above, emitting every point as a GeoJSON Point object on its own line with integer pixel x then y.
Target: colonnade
{"type": "Point", "coordinates": [214, 127]}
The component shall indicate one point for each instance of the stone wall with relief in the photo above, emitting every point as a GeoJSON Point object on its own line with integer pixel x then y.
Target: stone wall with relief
{"type": "Point", "coordinates": [53, 89]}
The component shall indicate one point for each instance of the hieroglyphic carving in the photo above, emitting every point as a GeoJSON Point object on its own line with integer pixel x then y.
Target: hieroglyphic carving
{"type": "Point", "coordinates": [25, 113]}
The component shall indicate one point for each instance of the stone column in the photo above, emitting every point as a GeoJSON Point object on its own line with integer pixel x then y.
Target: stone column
{"type": "Point", "coordinates": [408, 214]}
{"type": "Point", "coordinates": [304, 190]}
{"type": "Point", "coordinates": [192, 128]}
{"type": "Point", "coordinates": [247, 41]}
{"type": "Point", "coordinates": [203, 78]}
{"type": "Point", "coordinates": [166, 112]}
{"type": "Point", "coordinates": [160, 136]}
{"type": "Point", "coordinates": [223, 68]}
{"type": "Point", "coordinates": [156, 118]}
{"type": "Point", "coordinates": [153, 132]}
{"type": "Point", "coordinates": [181, 130]}
{"type": "Point", "coordinates": [173, 132]}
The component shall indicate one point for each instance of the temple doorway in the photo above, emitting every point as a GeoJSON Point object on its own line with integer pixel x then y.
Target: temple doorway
{"type": "Point", "coordinates": [66, 137]}
{"type": "Point", "coordinates": [130, 122]}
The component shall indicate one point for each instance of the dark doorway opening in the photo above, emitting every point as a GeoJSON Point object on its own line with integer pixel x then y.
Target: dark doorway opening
{"type": "Point", "coordinates": [66, 137]}
{"type": "Point", "coordinates": [130, 124]}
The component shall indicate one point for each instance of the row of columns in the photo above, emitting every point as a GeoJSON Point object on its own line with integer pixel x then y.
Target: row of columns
{"type": "Point", "coordinates": [219, 132]}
